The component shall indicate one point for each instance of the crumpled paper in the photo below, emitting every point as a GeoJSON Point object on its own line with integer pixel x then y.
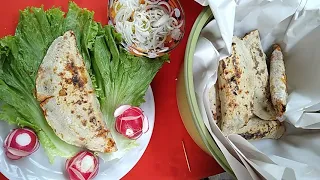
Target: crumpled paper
{"type": "Point", "coordinates": [295, 25]}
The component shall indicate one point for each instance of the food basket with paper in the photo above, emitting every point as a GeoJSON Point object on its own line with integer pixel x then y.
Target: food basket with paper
{"type": "Point", "coordinates": [248, 93]}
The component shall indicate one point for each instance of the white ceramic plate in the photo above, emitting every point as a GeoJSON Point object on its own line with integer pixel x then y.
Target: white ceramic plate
{"type": "Point", "coordinates": [37, 166]}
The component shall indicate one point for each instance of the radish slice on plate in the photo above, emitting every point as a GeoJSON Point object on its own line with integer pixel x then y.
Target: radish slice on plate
{"type": "Point", "coordinates": [83, 166]}
{"type": "Point", "coordinates": [130, 121]}
{"type": "Point", "coordinates": [11, 156]}
{"type": "Point", "coordinates": [20, 143]}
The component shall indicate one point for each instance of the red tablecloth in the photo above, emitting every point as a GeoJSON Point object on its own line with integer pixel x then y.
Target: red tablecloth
{"type": "Point", "coordinates": [164, 157]}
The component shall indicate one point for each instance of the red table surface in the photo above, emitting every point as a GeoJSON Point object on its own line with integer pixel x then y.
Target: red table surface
{"type": "Point", "coordinates": [164, 157]}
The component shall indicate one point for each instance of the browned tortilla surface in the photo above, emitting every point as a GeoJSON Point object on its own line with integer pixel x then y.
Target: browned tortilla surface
{"type": "Point", "coordinates": [67, 98]}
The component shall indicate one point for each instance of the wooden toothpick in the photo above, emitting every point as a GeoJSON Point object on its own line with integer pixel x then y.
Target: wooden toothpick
{"type": "Point", "coordinates": [186, 156]}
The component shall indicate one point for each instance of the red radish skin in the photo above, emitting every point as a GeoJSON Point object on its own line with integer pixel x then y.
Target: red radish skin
{"type": "Point", "coordinates": [20, 143]}
{"type": "Point", "coordinates": [130, 121]}
{"type": "Point", "coordinates": [11, 156]}
{"type": "Point", "coordinates": [83, 166]}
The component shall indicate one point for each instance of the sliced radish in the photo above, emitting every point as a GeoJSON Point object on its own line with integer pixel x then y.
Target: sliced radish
{"type": "Point", "coordinates": [83, 166]}
{"type": "Point", "coordinates": [20, 143]}
{"type": "Point", "coordinates": [145, 126]}
{"type": "Point", "coordinates": [131, 122]}
{"type": "Point", "coordinates": [11, 156]}
{"type": "Point", "coordinates": [120, 110]}
{"type": "Point", "coordinates": [18, 152]}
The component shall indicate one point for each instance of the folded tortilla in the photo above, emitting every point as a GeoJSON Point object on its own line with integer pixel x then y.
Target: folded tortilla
{"type": "Point", "coordinates": [236, 88]}
{"type": "Point", "coordinates": [67, 98]}
{"type": "Point", "coordinates": [278, 81]}
{"type": "Point", "coordinates": [262, 105]}
{"type": "Point", "coordinates": [261, 129]}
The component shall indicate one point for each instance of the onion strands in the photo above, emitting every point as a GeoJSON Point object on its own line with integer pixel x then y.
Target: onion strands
{"type": "Point", "coordinates": [147, 25]}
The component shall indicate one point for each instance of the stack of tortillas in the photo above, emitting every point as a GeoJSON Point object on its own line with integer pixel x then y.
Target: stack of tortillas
{"type": "Point", "coordinates": [248, 98]}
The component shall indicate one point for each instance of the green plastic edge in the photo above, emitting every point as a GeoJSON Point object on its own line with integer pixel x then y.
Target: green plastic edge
{"type": "Point", "coordinates": [204, 17]}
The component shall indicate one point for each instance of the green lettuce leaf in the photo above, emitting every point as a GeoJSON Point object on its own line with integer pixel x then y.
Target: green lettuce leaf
{"type": "Point", "coordinates": [122, 78]}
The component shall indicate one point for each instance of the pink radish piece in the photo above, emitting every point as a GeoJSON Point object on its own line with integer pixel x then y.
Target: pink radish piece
{"type": "Point", "coordinates": [83, 166]}
{"type": "Point", "coordinates": [11, 156]}
{"type": "Point", "coordinates": [130, 121]}
{"type": "Point", "coordinates": [20, 143]}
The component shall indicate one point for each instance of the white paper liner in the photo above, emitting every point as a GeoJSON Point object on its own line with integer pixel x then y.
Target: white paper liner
{"type": "Point", "coordinates": [294, 24]}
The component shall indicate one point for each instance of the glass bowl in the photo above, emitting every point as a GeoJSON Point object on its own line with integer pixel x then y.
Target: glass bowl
{"type": "Point", "coordinates": [149, 28]}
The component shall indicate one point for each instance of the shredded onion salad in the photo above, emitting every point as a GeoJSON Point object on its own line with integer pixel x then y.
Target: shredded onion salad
{"type": "Point", "coordinates": [148, 27]}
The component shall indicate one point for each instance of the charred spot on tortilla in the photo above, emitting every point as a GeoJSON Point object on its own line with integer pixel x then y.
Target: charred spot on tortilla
{"type": "Point", "coordinates": [215, 115]}
{"type": "Point", "coordinates": [62, 92]}
{"type": "Point", "coordinates": [71, 106]}
{"type": "Point", "coordinates": [261, 129]}
{"type": "Point", "coordinates": [55, 69]}
{"type": "Point", "coordinates": [43, 100]}
{"type": "Point", "coordinates": [233, 79]}
{"type": "Point", "coordinates": [110, 143]}
{"type": "Point", "coordinates": [256, 135]}
{"type": "Point", "coordinates": [99, 128]}
{"type": "Point", "coordinates": [84, 122]}
{"type": "Point", "coordinates": [102, 132]}
{"type": "Point", "coordinates": [284, 107]}
{"type": "Point", "coordinates": [79, 102]}
{"type": "Point", "coordinates": [77, 72]}
{"type": "Point", "coordinates": [223, 65]}
{"type": "Point", "coordinates": [93, 120]}
{"type": "Point", "coordinates": [90, 110]}
{"type": "Point", "coordinates": [260, 52]}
